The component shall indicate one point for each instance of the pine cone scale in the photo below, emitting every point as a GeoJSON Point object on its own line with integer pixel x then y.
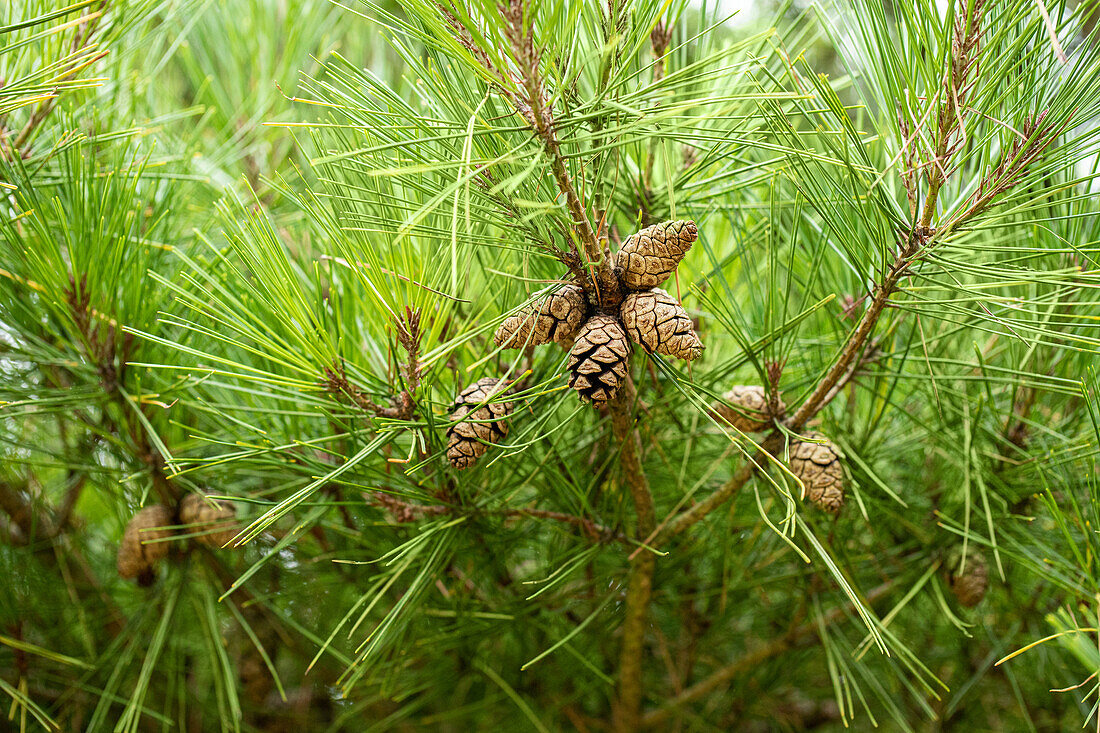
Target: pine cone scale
{"type": "Point", "coordinates": [555, 317]}
{"type": "Point", "coordinates": [598, 361]}
{"type": "Point", "coordinates": [213, 521]}
{"type": "Point", "coordinates": [748, 409]}
{"type": "Point", "coordinates": [477, 425]}
{"type": "Point", "coordinates": [968, 581]}
{"type": "Point", "coordinates": [817, 466]}
{"type": "Point", "coordinates": [646, 259]}
{"type": "Point", "coordinates": [145, 541]}
{"type": "Point", "coordinates": [656, 321]}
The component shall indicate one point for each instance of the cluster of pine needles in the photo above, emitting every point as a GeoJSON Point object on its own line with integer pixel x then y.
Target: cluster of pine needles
{"type": "Point", "coordinates": [373, 365]}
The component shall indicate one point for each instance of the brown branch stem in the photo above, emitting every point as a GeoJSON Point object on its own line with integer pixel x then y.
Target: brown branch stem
{"type": "Point", "coordinates": [402, 403]}
{"type": "Point", "coordinates": [29, 522]}
{"type": "Point", "coordinates": [540, 115]}
{"type": "Point", "coordinates": [527, 96]}
{"type": "Point", "coordinates": [760, 654]}
{"type": "Point", "coordinates": [546, 130]}
{"type": "Point", "coordinates": [719, 497]}
{"type": "Point", "coordinates": [856, 341]}
{"type": "Point", "coordinates": [659, 40]}
{"type": "Point", "coordinates": [628, 704]}
{"type": "Point", "coordinates": [405, 511]}
{"type": "Point", "coordinates": [841, 370]}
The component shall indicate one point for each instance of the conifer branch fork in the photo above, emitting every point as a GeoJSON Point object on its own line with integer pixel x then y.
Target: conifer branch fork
{"type": "Point", "coordinates": [608, 282]}
{"type": "Point", "coordinates": [958, 81]}
{"type": "Point", "coordinates": [531, 103]}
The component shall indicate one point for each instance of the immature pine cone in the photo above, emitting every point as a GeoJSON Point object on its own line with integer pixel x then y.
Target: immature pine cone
{"type": "Point", "coordinates": [748, 408]}
{"type": "Point", "coordinates": [656, 321]}
{"type": "Point", "coordinates": [212, 521]}
{"type": "Point", "coordinates": [970, 585]}
{"type": "Point", "coordinates": [646, 259]}
{"type": "Point", "coordinates": [597, 363]}
{"type": "Point", "coordinates": [467, 440]}
{"type": "Point", "coordinates": [555, 317]}
{"type": "Point", "coordinates": [144, 542]}
{"type": "Point", "coordinates": [817, 465]}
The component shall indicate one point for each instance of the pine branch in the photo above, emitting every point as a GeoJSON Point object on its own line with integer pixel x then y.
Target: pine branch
{"type": "Point", "coordinates": [519, 29]}
{"type": "Point", "coordinates": [958, 82]}
{"type": "Point", "coordinates": [82, 43]}
{"type": "Point", "coordinates": [421, 185]}
{"type": "Point", "coordinates": [795, 637]}
{"type": "Point", "coordinates": [959, 79]}
{"type": "Point", "coordinates": [640, 587]}
{"type": "Point", "coordinates": [109, 356]}
{"type": "Point", "coordinates": [840, 371]}
{"type": "Point", "coordinates": [402, 404]}
{"type": "Point", "coordinates": [824, 390]}
{"type": "Point", "coordinates": [31, 525]}
{"type": "Point", "coordinates": [531, 103]}
{"type": "Point", "coordinates": [571, 259]}
{"type": "Point", "coordinates": [1032, 141]}
{"type": "Point", "coordinates": [691, 516]}
{"type": "Point", "coordinates": [659, 41]}
{"type": "Point", "coordinates": [36, 526]}
{"type": "Point", "coordinates": [405, 512]}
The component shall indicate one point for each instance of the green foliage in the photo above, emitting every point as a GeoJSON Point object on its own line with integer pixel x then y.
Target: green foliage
{"type": "Point", "coordinates": [256, 248]}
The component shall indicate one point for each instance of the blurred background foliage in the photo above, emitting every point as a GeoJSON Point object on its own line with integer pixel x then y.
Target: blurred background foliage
{"type": "Point", "coordinates": [222, 217]}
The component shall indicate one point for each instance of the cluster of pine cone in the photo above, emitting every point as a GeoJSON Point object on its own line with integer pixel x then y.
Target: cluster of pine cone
{"type": "Point", "coordinates": [815, 461]}
{"type": "Point", "coordinates": [597, 334]}
{"type": "Point", "coordinates": [149, 534]}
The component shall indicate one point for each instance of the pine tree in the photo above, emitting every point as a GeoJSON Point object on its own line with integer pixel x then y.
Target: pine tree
{"type": "Point", "coordinates": [519, 365]}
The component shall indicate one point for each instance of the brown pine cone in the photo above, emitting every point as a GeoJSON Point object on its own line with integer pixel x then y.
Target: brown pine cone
{"type": "Point", "coordinates": [817, 465]}
{"type": "Point", "coordinates": [597, 363]}
{"type": "Point", "coordinates": [646, 259]}
{"type": "Point", "coordinates": [468, 439]}
{"type": "Point", "coordinates": [656, 321]}
{"type": "Point", "coordinates": [212, 521]}
{"type": "Point", "coordinates": [555, 317]}
{"type": "Point", "coordinates": [968, 581]}
{"type": "Point", "coordinates": [747, 409]}
{"type": "Point", "coordinates": [144, 542]}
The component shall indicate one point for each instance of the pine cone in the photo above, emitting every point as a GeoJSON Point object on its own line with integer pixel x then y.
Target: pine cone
{"type": "Point", "coordinates": [555, 317]}
{"type": "Point", "coordinates": [747, 409]}
{"type": "Point", "coordinates": [468, 439]}
{"type": "Point", "coordinates": [597, 363]}
{"type": "Point", "coordinates": [970, 586]}
{"type": "Point", "coordinates": [144, 542]}
{"type": "Point", "coordinates": [213, 521]}
{"type": "Point", "coordinates": [646, 259]}
{"type": "Point", "coordinates": [656, 321]}
{"type": "Point", "coordinates": [817, 465]}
